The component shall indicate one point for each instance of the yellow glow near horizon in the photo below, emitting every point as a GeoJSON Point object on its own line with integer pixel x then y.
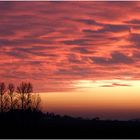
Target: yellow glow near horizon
{"type": "Point", "coordinates": [99, 83]}
{"type": "Point", "coordinates": [95, 100]}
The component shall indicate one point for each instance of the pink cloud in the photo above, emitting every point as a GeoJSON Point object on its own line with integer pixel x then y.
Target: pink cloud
{"type": "Point", "coordinates": [52, 44]}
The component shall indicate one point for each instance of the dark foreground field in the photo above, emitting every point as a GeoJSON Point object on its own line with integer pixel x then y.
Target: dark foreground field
{"type": "Point", "coordinates": [33, 124]}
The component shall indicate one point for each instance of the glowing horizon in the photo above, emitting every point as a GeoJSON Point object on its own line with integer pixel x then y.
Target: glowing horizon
{"type": "Point", "coordinates": [96, 99]}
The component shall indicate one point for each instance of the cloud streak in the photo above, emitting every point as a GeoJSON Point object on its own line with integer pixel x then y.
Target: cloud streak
{"type": "Point", "coordinates": [115, 85]}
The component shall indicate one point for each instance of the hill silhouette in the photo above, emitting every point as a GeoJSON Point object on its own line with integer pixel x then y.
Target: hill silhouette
{"type": "Point", "coordinates": [35, 124]}
{"type": "Point", "coordinates": [20, 117]}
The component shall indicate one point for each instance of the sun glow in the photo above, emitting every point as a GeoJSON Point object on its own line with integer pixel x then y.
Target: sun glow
{"type": "Point", "coordinates": [96, 98]}
{"type": "Point", "coordinates": [85, 84]}
{"type": "Point", "coordinates": [104, 83]}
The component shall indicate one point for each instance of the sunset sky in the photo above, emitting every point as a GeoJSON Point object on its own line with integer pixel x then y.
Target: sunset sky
{"type": "Point", "coordinates": [84, 57]}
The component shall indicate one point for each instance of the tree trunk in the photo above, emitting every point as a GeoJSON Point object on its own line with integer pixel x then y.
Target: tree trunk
{"type": "Point", "coordinates": [1, 103]}
{"type": "Point", "coordinates": [22, 102]}
{"type": "Point", "coordinates": [11, 102]}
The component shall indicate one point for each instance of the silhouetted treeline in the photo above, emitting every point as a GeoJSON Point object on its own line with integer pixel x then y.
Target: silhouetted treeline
{"type": "Point", "coordinates": [19, 97]}
{"type": "Point", "coordinates": [35, 124]}
{"type": "Point", "coordinates": [20, 117]}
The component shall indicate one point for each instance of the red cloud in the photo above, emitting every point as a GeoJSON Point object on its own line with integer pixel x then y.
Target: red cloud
{"type": "Point", "coordinates": [53, 44]}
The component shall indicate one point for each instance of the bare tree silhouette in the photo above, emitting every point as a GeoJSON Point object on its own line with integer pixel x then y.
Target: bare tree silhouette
{"type": "Point", "coordinates": [36, 100]}
{"type": "Point", "coordinates": [25, 89]}
{"type": "Point", "coordinates": [20, 97]}
{"type": "Point", "coordinates": [6, 102]}
{"type": "Point", "coordinates": [28, 92]}
{"type": "Point", "coordinates": [11, 89]}
{"type": "Point", "coordinates": [21, 89]}
{"type": "Point", "coordinates": [2, 92]}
